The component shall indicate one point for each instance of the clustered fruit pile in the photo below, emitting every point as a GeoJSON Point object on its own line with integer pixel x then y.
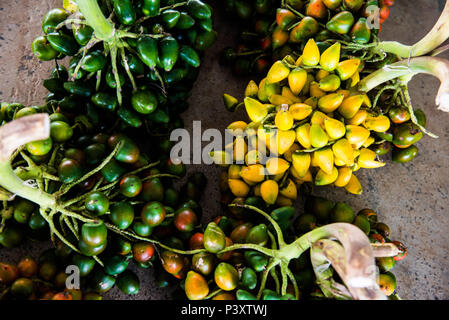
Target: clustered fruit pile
{"type": "Point", "coordinates": [106, 195]}
{"type": "Point", "coordinates": [273, 29]}
{"type": "Point", "coordinates": [140, 63]}
{"type": "Point", "coordinates": [314, 129]}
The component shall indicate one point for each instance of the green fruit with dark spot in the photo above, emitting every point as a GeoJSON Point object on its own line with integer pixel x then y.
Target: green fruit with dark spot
{"type": "Point", "coordinates": [406, 134]}
{"type": "Point", "coordinates": [405, 155]}
{"type": "Point", "coordinates": [97, 203]}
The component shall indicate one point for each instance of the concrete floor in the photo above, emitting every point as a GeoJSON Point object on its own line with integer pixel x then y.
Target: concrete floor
{"type": "Point", "coordinates": [412, 198]}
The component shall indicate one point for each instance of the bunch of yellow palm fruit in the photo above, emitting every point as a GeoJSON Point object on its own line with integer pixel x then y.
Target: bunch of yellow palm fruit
{"type": "Point", "coordinates": [312, 122]}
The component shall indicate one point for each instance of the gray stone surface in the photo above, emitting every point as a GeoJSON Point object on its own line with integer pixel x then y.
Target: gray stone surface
{"type": "Point", "coordinates": [412, 198]}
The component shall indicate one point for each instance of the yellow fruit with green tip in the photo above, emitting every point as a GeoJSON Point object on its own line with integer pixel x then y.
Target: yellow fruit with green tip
{"type": "Point", "coordinates": [335, 129]}
{"type": "Point", "coordinates": [303, 135]}
{"type": "Point", "coordinates": [330, 102]}
{"type": "Point", "coordinates": [354, 186]}
{"type": "Point", "coordinates": [324, 158]}
{"type": "Point", "coordinates": [255, 110]}
{"type": "Point", "coordinates": [347, 68]}
{"type": "Point", "coordinates": [311, 53]}
{"type": "Point", "coordinates": [351, 105]}
{"type": "Point", "coordinates": [297, 80]}
{"type": "Point", "coordinates": [251, 89]}
{"type": "Point", "coordinates": [318, 137]}
{"type": "Point", "coordinates": [269, 191]}
{"type": "Point", "coordinates": [331, 57]}
{"type": "Point", "coordinates": [344, 175]}
{"type": "Point", "coordinates": [278, 72]}
{"type": "Point", "coordinates": [285, 140]}
{"type": "Point", "coordinates": [343, 150]}
{"type": "Point", "coordinates": [300, 111]}
{"type": "Point", "coordinates": [324, 179]}
{"type": "Point", "coordinates": [301, 163]}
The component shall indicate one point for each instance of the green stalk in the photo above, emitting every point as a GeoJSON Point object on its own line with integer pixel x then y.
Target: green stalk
{"type": "Point", "coordinates": [437, 67]}
{"type": "Point", "coordinates": [91, 11]}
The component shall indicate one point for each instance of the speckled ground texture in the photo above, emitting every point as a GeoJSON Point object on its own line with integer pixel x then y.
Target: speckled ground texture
{"type": "Point", "coordinates": [412, 198]}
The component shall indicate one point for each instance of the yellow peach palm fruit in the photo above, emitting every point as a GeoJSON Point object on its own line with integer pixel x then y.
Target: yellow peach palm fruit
{"type": "Point", "coordinates": [230, 102]}
{"type": "Point", "coordinates": [234, 171]}
{"type": "Point", "coordinates": [318, 137]}
{"type": "Point", "coordinates": [351, 105]}
{"type": "Point", "coordinates": [323, 179]}
{"type": "Point", "coordinates": [277, 99]}
{"type": "Point", "coordinates": [315, 91]}
{"type": "Point", "coordinates": [266, 90]}
{"type": "Point", "coordinates": [358, 118]}
{"type": "Point", "coordinates": [335, 129]}
{"type": "Point", "coordinates": [256, 111]}
{"type": "Point", "coordinates": [380, 123]}
{"type": "Point", "coordinates": [251, 89]}
{"type": "Point", "coordinates": [344, 175]}
{"type": "Point", "coordinates": [285, 140]}
{"type": "Point", "coordinates": [300, 111]}
{"type": "Point", "coordinates": [288, 154]}
{"type": "Point", "coordinates": [311, 53]}
{"type": "Point", "coordinates": [331, 57]}
{"type": "Point", "coordinates": [303, 136]}
{"type": "Point", "coordinates": [276, 166]}
{"type": "Point", "coordinates": [318, 118]}
{"type": "Point", "coordinates": [368, 142]}
{"type": "Point", "coordinates": [269, 190]}
{"type": "Point", "coordinates": [356, 135]}
{"type": "Point", "coordinates": [284, 119]}
{"type": "Point", "coordinates": [238, 126]}
{"type": "Point", "coordinates": [253, 157]}
{"type": "Point", "coordinates": [345, 69]}
{"type": "Point", "coordinates": [301, 163]}
{"type": "Point", "coordinates": [289, 190]}
{"type": "Point", "coordinates": [287, 93]}
{"type": "Point", "coordinates": [278, 72]}
{"type": "Point", "coordinates": [354, 185]}
{"type": "Point", "coordinates": [329, 83]}
{"type": "Point", "coordinates": [297, 80]}
{"type": "Point", "coordinates": [254, 173]}
{"type": "Point", "coordinates": [367, 160]}
{"type": "Point", "coordinates": [238, 187]}
{"type": "Point", "coordinates": [282, 201]}
{"type": "Point", "coordinates": [324, 158]}
{"type": "Point", "coordinates": [321, 74]}
{"type": "Point", "coordinates": [343, 150]}
{"type": "Point", "coordinates": [330, 102]}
